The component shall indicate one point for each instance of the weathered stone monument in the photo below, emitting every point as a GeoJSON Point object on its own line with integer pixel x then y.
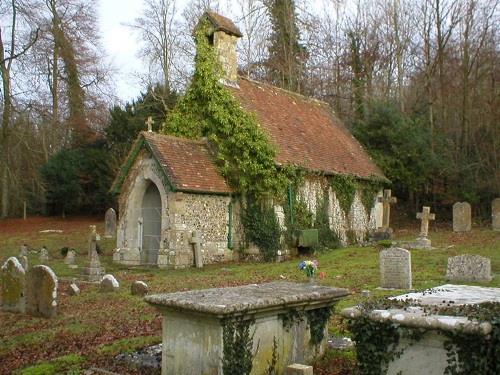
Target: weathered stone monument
{"type": "Point", "coordinates": [195, 240]}
{"type": "Point", "coordinates": [24, 262]}
{"type": "Point", "coordinates": [461, 217]}
{"type": "Point", "coordinates": [495, 214]}
{"type": "Point", "coordinates": [395, 268]}
{"type": "Point", "coordinates": [109, 284]}
{"type": "Point", "coordinates": [13, 284]}
{"type": "Point", "coordinates": [44, 255]}
{"type": "Point", "coordinates": [110, 223]}
{"type": "Point", "coordinates": [385, 231]}
{"type": "Point", "coordinates": [468, 268]}
{"type": "Point", "coordinates": [425, 216]}
{"type": "Point", "coordinates": [94, 271]}
{"type": "Point", "coordinates": [41, 292]}
{"type": "Point", "coordinates": [70, 258]}
{"type": "Point", "coordinates": [139, 288]}
{"type": "Point", "coordinates": [428, 351]}
{"type": "Point", "coordinates": [298, 369]}
{"type": "Point", "coordinates": [73, 289]}
{"type": "Point", "coordinates": [196, 324]}
{"type": "Point", "coordinates": [23, 251]}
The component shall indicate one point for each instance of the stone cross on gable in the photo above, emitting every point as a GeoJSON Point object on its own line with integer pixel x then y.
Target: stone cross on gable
{"type": "Point", "coordinates": [386, 201]}
{"type": "Point", "coordinates": [150, 123]}
{"type": "Point", "coordinates": [425, 216]}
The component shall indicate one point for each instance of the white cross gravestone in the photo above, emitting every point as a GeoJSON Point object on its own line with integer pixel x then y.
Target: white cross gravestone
{"type": "Point", "coordinates": [495, 214]}
{"type": "Point", "coordinates": [110, 223]}
{"type": "Point", "coordinates": [150, 123]}
{"type": "Point", "coordinates": [461, 217]}
{"type": "Point", "coordinates": [386, 201]}
{"type": "Point", "coordinates": [425, 216]}
{"type": "Point", "coordinates": [198, 256]}
{"type": "Point", "coordinates": [395, 268]}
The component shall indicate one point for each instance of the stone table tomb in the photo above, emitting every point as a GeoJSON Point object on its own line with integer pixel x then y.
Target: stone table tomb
{"type": "Point", "coordinates": [199, 326]}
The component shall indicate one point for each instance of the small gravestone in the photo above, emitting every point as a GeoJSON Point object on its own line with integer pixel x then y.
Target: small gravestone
{"type": "Point", "coordinates": [468, 268]}
{"type": "Point", "coordinates": [13, 284]}
{"type": "Point", "coordinates": [109, 284]}
{"type": "Point", "coordinates": [23, 252]}
{"type": "Point", "coordinates": [41, 292]}
{"type": "Point", "coordinates": [298, 369]}
{"type": "Point", "coordinates": [70, 257]}
{"type": "Point", "coordinates": [395, 268]}
{"type": "Point", "coordinates": [24, 262]}
{"type": "Point", "coordinates": [461, 217]}
{"type": "Point", "coordinates": [198, 256]}
{"type": "Point", "coordinates": [495, 213]}
{"type": "Point", "coordinates": [73, 290]}
{"type": "Point", "coordinates": [139, 288]}
{"type": "Point", "coordinates": [44, 255]}
{"type": "Point", "coordinates": [93, 271]}
{"type": "Point", "coordinates": [110, 223]}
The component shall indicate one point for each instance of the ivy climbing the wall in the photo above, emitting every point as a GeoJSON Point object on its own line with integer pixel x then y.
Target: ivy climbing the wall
{"type": "Point", "coordinates": [344, 187]}
{"type": "Point", "coordinates": [243, 153]}
{"type": "Point", "coordinates": [237, 346]}
{"type": "Point", "coordinates": [327, 238]}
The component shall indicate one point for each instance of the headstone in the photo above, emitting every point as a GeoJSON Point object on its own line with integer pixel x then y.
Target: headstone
{"type": "Point", "coordinates": [13, 284]}
{"type": "Point", "coordinates": [395, 268]}
{"type": "Point", "coordinates": [73, 290]}
{"type": "Point", "coordinates": [298, 369]}
{"type": "Point", "coordinates": [23, 251]}
{"type": "Point", "coordinates": [109, 284]}
{"type": "Point", "coordinates": [461, 217]}
{"type": "Point", "coordinates": [198, 256]}
{"type": "Point", "coordinates": [70, 257]}
{"type": "Point", "coordinates": [495, 213]}
{"type": "Point", "coordinates": [44, 255]}
{"type": "Point", "coordinates": [110, 223]}
{"type": "Point", "coordinates": [41, 292]}
{"type": "Point", "coordinates": [425, 216]}
{"type": "Point", "coordinates": [24, 262]}
{"type": "Point", "coordinates": [386, 201]}
{"type": "Point", "coordinates": [468, 268]}
{"type": "Point", "coordinates": [94, 270]}
{"type": "Point", "coordinates": [139, 288]}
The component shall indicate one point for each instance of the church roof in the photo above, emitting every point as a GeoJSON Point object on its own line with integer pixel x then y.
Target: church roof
{"type": "Point", "coordinates": [222, 23]}
{"type": "Point", "coordinates": [305, 131]}
{"type": "Point", "coordinates": [186, 163]}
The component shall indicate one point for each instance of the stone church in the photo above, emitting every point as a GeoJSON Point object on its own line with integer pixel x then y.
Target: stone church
{"type": "Point", "coordinates": [170, 187]}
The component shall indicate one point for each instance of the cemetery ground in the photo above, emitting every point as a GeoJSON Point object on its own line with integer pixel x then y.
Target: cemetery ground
{"type": "Point", "coordinates": [92, 328]}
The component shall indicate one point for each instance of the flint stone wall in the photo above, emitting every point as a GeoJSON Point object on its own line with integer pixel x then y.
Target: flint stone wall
{"type": "Point", "coordinates": [468, 268]}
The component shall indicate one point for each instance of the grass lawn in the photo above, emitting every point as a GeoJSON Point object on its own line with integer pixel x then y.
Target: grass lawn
{"type": "Point", "coordinates": [92, 328]}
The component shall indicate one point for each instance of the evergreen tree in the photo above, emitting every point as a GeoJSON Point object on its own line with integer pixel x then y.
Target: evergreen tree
{"type": "Point", "coordinates": [287, 57]}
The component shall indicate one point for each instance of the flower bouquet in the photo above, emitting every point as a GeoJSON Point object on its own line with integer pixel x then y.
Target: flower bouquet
{"type": "Point", "coordinates": [309, 267]}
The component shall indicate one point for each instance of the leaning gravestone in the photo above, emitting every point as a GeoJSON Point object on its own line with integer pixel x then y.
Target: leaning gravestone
{"type": "Point", "coordinates": [109, 284]}
{"type": "Point", "coordinates": [41, 292]}
{"type": "Point", "coordinates": [395, 268]}
{"type": "Point", "coordinates": [139, 288]}
{"type": "Point", "coordinates": [461, 217]}
{"type": "Point", "coordinates": [13, 284]}
{"type": "Point", "coordinates": [110, 223]}
{"type": "Point", "coordinates": [73, 290]}
{"type": "Point", "coordinates": [468, 268]}
{"type": "Point", "coordinates": [495, 213]}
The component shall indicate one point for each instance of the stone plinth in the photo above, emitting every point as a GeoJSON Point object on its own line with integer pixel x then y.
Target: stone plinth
{"type": "Point", "coordinates": [416, 353]}
{"type": "Point", "coordinates": [194, 321]}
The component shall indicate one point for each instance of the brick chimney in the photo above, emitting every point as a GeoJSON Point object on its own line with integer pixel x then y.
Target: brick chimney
{"type": "Point", "coordinates": [224, 36]}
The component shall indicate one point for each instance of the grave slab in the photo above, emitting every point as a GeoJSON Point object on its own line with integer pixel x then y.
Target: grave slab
{"type": "Point", "coordinates": [194, 323]}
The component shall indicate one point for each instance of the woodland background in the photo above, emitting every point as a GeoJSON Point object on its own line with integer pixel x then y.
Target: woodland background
{"type": "Point", "coordinates": [417, 82]}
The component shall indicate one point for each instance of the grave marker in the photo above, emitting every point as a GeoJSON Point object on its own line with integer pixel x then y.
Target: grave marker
{"type": "Point", "coordinates": [109, 284]}
{"type": "Point", "coordinates": [24, 262]}
{"type": "Point", "coordinates": [425, 216]}
{"type": "Point", "coordinates": [196, 241]}
{"type": "Point", "coordinates": [461, 217]}
{"type": "Point", "coordinates": [94, 270]}
{"type": "Point", "coordinates": [23, 251]}
{"type": "Point", "coordinates": [468, 268]}
{"type": "Point", "coordinates": [13, 284]}
{"type": "Point", "coordinates": [41, 292]}
{"type": "Point", "coordinates": [110, 223]}
{"type": "Point", "coordinates": [395, 268]}
{"type": "Point", "coordinates": [495, 214]}
{"type": "Point", "coordinates": [386, 201]}
{"type": "Point", "coordinates": [139, 288]}
{"type": "Point", "coordinates": [44, 255]}
{"type": "Point", "coordinates": [70, 258]}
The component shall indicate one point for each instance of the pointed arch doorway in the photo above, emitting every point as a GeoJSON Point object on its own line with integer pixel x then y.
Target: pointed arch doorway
{"type": "Point", "coordinates": [151, 225]}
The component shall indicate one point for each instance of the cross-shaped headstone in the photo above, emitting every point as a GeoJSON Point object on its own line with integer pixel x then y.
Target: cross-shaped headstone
{"type": "Point", "coordinates": [93, 257]}
{"type": "Point", "coordinates": [425, 216]}
{"type": "Point", "coordinates": [386, 201]}
{"type": "Point", "coordinates": [150, 123]}
{"type": "Point", "coordinates": [196, 241]}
